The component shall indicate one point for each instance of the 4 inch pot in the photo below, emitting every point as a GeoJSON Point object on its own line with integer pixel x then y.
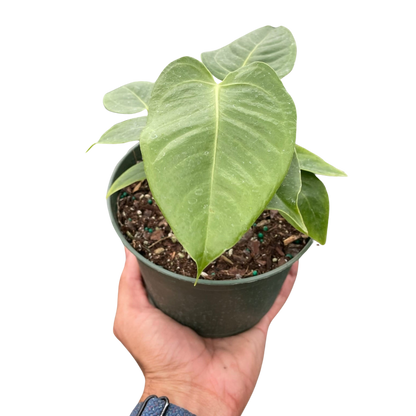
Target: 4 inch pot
{"type": "Point", "coordinates": [212, 308]}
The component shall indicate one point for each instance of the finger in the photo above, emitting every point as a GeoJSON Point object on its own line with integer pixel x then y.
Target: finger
{"type": "Point", "coordinates": [281, 297]}
{"type": "Point", "coordinates": [131, 291]}
{"type": "Point", "coordinates": [287, 286]}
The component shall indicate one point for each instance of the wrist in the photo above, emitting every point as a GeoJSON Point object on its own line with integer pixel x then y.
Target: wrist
{"type": "Point", "coordinates": [192, 398]}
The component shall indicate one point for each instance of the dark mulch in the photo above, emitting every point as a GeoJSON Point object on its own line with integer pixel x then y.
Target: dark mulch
{"type": "Point", "coordinates": [268, 244]}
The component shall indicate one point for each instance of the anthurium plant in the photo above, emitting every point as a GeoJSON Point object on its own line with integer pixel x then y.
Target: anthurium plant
{"type": "Point", "coordinates": [217, 154]}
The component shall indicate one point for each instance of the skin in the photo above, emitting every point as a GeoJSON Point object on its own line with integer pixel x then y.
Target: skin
{"type": "Point", "coordinates": [205, 376]}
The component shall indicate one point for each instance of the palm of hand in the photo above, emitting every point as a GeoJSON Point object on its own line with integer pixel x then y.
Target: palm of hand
{"type": "Point", "coordinates": [194, 372]}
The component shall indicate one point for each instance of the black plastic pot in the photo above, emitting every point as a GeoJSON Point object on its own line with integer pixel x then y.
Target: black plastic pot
{"type": "Point", "coordinates": [212, 308]}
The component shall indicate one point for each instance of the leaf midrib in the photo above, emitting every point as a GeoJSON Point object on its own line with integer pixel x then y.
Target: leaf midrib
{"type": "Point", "coordinates": [216, 91]}
{"type": "Point", "coordinates": [251, 53]}
{"type": "Point", "coordinates": [145, 105]}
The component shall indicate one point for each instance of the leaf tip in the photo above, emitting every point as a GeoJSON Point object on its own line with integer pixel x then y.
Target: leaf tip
{"type": "Point", "coordinates": [89, 149]}
{"type": "Point", "coordinates": [196, 281]}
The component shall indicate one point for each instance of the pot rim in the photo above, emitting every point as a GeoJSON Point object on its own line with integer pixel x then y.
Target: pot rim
{"type": "Point", "coordinates": [160, 269]}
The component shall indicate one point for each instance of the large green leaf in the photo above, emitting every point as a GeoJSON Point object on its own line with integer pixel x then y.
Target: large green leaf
{"type": "Point", "coordinates": [122, 132]}
{"type": "Point", "coordinates": [134, 174]}
{"type": "Point", "coordinates": [130, 98]}
{"type": "Point", "coordinates": [272, 45]}
{"type": "Point", "coordinates": [215, 154]}
{"type": "Point", "coordinates": [286, 198]}
{"type": "Point", "coordinates": [312, 163]}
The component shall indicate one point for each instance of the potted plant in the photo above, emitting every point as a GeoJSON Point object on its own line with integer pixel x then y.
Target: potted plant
{"type": "Point", "coordinates": [217, 201]}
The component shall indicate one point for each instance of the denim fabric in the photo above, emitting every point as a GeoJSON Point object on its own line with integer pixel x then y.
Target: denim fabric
{"type": "Point", "coordinates": [155, 406]}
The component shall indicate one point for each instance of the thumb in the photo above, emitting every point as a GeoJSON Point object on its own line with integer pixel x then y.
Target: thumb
{"type": "Point", "coordinates": [131, 290]}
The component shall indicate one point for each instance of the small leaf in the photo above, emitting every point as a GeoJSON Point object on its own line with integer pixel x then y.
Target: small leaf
{"type": "Point", "coordinates": [312, 163]}
{"type": "Point", "coordinates": [122, 132]}
{"type": "Point", "coordinates": [273, 45]}
{"type": "Point", "coordinates": [314, 206]}
{"type": "Point", "coordinates": [286, 198]}
{"type": "Point", "coordinates": [134, 174]}
{"type": "Point", "coordinates": [130, 98]}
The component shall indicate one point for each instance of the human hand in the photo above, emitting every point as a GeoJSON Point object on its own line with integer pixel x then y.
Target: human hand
{"type": "Point", "coordinates": [205, 376]}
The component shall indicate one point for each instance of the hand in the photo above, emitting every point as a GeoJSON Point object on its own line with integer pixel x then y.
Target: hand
{"type": "Point", "coordinates": [205, 376]}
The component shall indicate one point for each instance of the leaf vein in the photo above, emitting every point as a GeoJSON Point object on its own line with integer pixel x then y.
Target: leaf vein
{"type": "Point", "coordinates": [131, 91]}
